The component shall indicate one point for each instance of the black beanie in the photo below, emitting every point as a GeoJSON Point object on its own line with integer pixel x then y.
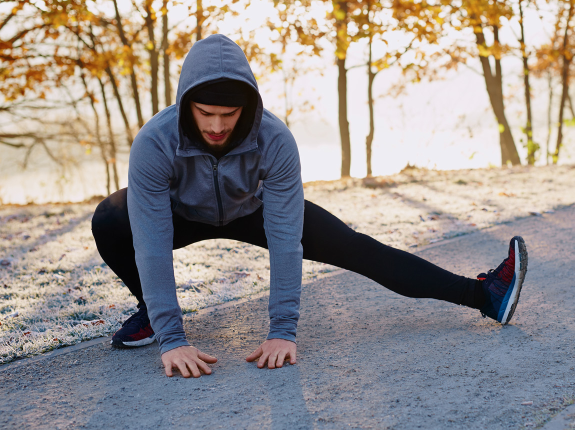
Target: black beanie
{"type": "Point", "coordinates": [227, 93]}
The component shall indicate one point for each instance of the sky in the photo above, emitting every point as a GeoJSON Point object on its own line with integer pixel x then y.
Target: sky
{"type": "Point", "coordinates": [445, 124]}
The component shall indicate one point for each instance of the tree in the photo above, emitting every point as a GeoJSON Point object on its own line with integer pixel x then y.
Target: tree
{"type": "Point", "coordinates": [130, 62]}
{"type": "Point", "coordinates": [566, 58]}
{"type": "Point", "coordinates": [482, 17]}
{"type": "Point", "coordinates": [335, 29]}
{"type": "Point", "coordinates": [531, 146]}
{"type": "Point", "coordinates": [376, 20]}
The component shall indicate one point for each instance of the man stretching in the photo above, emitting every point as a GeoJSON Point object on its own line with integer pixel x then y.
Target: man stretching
{"type": "Point", "coordinates": [218, 165]}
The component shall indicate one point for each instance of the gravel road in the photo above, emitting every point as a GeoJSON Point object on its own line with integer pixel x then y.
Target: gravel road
{"type": "Point", "coordinates": [367, 358]}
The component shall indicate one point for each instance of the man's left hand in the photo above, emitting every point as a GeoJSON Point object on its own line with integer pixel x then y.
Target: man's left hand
{"type": "Point", "coordinates": [274, 352]}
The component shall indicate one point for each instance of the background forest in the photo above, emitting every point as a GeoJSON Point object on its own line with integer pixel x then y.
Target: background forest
{"type": "Point", "coordinates": [354, 80]}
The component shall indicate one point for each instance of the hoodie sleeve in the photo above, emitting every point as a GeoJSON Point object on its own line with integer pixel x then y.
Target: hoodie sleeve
{"type": "Point", "coordinates": [150, 214]}
{"type": "Point", "coordinates": [283, 222]}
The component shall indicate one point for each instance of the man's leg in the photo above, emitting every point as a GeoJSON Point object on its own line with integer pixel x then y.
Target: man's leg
{"type": "Point", "coordinates": [495, 294]}
{"type": "Point", "coordinates": [329, 240]}
{"type": "Point", "coordinates": [113, 236]}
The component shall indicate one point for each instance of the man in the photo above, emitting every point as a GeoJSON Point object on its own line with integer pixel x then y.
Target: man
{"type": "Point", "coordinates": [218, 165]}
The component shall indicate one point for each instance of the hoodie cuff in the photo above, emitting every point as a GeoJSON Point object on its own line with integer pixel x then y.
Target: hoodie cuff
{"type": "Point", "coordinates": [283, 330]}
{"type": "Point", "coordinates": [171, 340]}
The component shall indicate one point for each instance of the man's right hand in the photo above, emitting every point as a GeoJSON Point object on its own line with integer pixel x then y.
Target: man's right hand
{"type": "Point", "coordinates": [188, 360]}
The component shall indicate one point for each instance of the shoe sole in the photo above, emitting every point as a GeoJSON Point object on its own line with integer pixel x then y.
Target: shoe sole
{"type": "Point", "coordinates": [133, 344]}
{"type": "Point", "coordinates": [521, 259]}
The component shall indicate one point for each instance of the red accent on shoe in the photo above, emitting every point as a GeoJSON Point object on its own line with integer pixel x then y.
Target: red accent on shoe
{"type": "Point", "coordinates": [143, 333]}
{"type": "Point", "coordinates": [481, 279]}
{"type": "Point", "coordinates": [508, 269]}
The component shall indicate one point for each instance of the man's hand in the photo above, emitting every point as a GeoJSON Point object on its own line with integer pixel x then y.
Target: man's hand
{"type": "Point", "coordinates": [187, 359]}
{"type": "Point", "coordinates": [274, 352]}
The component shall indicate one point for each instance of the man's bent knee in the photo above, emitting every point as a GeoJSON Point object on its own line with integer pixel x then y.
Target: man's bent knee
{"type": "Point", "coordinates": [111, 215]}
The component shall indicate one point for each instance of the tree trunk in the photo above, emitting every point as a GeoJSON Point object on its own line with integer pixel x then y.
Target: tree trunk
{"type": "Point", "coordinates": [343, 121]}
{"type": "Point", "coordinates": [531, 146]}
{"type": "Point", "coordinates": [133, 79]}
{"type": "Point", "coordinates": [103, 151]}
{"type": "Point", "coordinates": [154, 57]}
{"type": "Point", "coordinates": [494, 85]}
{"type": "Point", "coordinates": [549, 108]}
{"type": "Point", "coordinates": [112, 159]}
{"type": "Point", "coordinates": [341, 53]}
{"type": "Point", "coordinates": [565, 83]}
{"type": "Point", "coordinates": [199, 19]}
{"type": "Point", "coordinates": [129, 136]}
{"type": "Point", "coordinates": [369, 138]}
{"type": "Point", "coordinates": [166, 59]}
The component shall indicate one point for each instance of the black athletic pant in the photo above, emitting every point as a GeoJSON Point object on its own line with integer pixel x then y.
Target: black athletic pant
{"type": "Point", "coordinates": [325, 239]}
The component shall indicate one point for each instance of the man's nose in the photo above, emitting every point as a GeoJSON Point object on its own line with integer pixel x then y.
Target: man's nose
{"type": "Point", "coordinates": [218, 124]}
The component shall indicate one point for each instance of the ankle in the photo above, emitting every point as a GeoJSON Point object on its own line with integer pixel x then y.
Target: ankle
{"type": "Point", "coordinates": [478, 294]}
{"type": "Point", "coordinates": [474, 296]}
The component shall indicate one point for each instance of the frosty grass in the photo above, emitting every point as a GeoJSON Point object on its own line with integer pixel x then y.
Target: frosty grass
{"type": "Point", "coordinates": [55, 289]}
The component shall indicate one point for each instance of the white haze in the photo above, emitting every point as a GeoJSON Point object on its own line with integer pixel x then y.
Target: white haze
{"type": "Point", "coordinates": [446, 124]}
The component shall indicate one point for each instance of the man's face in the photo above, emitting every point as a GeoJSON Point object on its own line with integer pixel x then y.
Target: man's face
{"type": "Point", "coordinates": [215, 123]}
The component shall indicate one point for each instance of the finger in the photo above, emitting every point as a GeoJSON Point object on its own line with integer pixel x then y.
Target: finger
{"type": "Point", "coordinates": [183, 369]}
{"type": "Point", "coordinates": [281, 358]}
{"type": "Point", "coordinates": [272, 361]}
{"type": "Point", "coordinates": [207, 358]}
{"type": "Point", "coordinates": [263, 359]}
{"type": "Point", "coordinates": [194, 368]}
{"type": "Point", "coordinates": [292, 354]}
{"type": "Point", "coordinates": [204, 367]}
{"type": "Point", "coordinates": [168, 369]}
{"type": "Point", "coordinates": [255, 354]}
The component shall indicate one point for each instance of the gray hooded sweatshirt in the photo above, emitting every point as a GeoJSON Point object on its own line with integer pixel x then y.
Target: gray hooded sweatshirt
{"type": "Point", "coordinates": [169, 172]}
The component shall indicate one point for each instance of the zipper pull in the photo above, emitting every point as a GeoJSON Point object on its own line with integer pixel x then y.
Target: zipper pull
{"type": "Point", "coordinates": [215, 166]}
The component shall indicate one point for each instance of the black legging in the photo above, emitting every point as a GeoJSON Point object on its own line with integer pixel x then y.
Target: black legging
{"type": "Point", "coordinates": [325, 239]}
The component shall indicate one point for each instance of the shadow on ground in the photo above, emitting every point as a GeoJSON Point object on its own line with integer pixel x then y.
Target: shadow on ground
{"type": "Point", "coordinates": [368, 358]}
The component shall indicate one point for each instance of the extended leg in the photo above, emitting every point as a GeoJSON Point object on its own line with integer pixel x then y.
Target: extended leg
{"type": "Point", "coordinates": [329, 240]}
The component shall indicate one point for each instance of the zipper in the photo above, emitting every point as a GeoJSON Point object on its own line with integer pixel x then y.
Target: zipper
{"type": "Point", "coordinates": [218, 194]}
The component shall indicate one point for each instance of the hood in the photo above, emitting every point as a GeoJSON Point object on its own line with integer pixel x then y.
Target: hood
{"type": "Point", "coordinates": [215, 58]}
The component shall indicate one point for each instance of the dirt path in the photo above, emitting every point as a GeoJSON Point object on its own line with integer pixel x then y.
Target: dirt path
{"type": "Point", "coordinates": [367, 358]}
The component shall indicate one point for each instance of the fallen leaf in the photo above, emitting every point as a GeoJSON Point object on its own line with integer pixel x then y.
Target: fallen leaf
{"type": "Point", "coordinates": [111, 306]}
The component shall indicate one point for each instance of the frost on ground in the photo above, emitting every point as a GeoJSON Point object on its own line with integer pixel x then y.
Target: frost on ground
{"type": "Point", "coordinates": [56, 291]}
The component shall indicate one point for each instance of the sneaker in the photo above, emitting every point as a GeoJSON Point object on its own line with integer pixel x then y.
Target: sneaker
{"type": "Point", "coordinates": [502, 286]}
{"type": "Point", "coordinates": [136, 331]}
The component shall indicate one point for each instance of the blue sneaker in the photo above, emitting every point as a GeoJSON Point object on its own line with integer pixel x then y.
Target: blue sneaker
{"type": "Point", "coordinates": [136, 331]}
{"type": "Point", "coordinates": [502, 286]}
